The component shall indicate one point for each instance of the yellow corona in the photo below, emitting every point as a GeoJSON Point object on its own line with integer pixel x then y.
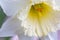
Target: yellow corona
{"type": "Point", "coordinates": [40, 16]}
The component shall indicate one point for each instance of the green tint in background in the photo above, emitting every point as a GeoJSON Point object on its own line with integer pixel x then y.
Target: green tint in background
{"type": "Point", "coordinates": [2, 19]}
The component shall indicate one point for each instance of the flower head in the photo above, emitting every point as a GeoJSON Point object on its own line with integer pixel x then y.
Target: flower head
{"type": "Point", "coordinates": [39, 19]}
{"type": "Point", "coordinates": [36, 18]}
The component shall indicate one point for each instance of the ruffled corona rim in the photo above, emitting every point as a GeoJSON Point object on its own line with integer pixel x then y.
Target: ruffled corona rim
{"type": "Point", "coordinates": [40, 20]}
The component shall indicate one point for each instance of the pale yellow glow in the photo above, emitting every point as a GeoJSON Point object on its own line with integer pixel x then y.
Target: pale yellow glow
{"type": "Point", "coordinates": [41, 16]}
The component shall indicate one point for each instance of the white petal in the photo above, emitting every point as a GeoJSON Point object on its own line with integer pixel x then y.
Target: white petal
{"type": "Point", "coordinates": [57, 4]}
{"type": "Point", "coordinates": [57, 15]}
{"type": "Point", "coordinates": [50, 36]}
{"type": "Point", "coordinates": [39, 1]}
{"type": "Point", "coordinates": [10, 27]}
{"type": "Point", "coordinates": [58, 25]}
{"type": "Point", "coordinates": [23, 14]}
{"type": "Point", "coordinates": [23, 37]}
{"type": "Point", "coordinates": [14, 38]}
{"type": "Point", "coordinates": [53, 35]}
{"type": "Point", "coordinates": [10, 7]}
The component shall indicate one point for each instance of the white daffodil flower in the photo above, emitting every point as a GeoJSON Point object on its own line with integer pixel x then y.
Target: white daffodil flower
{"type": "Point", "coordinates": [30, 18]}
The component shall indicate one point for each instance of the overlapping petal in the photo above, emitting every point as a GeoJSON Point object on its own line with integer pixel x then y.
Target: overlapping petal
{"type": "Point", "coordinates": [10, 7]}
{"type": "Point", "coordinates": [57, 3]}
{"type": "Point", "coordinates": [9, 27]}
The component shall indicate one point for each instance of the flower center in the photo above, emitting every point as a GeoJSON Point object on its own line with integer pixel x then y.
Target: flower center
{"type": "Point", "coordinates": [38, 7]}
{"type": "Point", "coordinates": [41, 7]}
{"type": "Point", "coordinates": [39, 11]}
